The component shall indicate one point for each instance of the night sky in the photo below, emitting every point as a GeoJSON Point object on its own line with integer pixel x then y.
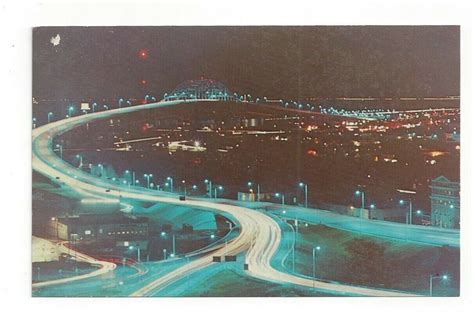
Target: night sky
{"type": "Point", "coordinates": [278, 62]}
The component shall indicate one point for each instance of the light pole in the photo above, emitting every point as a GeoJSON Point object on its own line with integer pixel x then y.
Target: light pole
{"type": "Point", "coordinates": [305, 186]}
{"type": "Point", "coordinates": [94, 105]}
{"type": "Point", "coordinates": [216, 189]}
{"type": "Point", "coordinates": [34, 122]}
{"type": "Point", "coordinates": [101, 169]}
{"type": "Point", "coordinates": [164, 254]}
{"type": "Point", "coordinates": [138, 252]}
{"type": "Point", "coordinates": [170, 179]}
{"type": "Point", "coordinates": [278, 195]}
{"type": "Point", "coordinates": [50, 115]}
{"type": "Point", "coordinates": [317, 248]}
{"type": "Point", "coordinates": [249, 184]}
{"type": "Point", "coordinates": [79, 157]}
{"type": "Point", "coordinates": [371, 207]}
{"type": "Point", "coordinates": [432, 277]}
{"type": "Point", "coordinates": [294, 244]}
{"type": "Point", "coordinates": [209, 186]}
{"type": "Point", "coordinates": [422, 215]}
{"type": "Point", "coordinates": [174, 245]}
{"type": "Point", "coordinates": [128, 179]}
{"type": "Point", "coordinates": [409, 218]}
{"type": "Point", "coordinates": [71, 111]}
{"type": "Point", "coordinates": [184, 186]}
{"type": "Point", "coordinates": [230, 230]}
{"type": "Point", "coordinates": [120, 102]}
{"type": "Point", "coordinates": [361, 193]}
{"type": "Point", "coordinates": [148, 176]}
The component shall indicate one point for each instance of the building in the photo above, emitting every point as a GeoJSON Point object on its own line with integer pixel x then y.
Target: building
{"type": "Point", "coordinates": [252, 197]}
{"type": "Point", "coordinates": [116, 229]}
{"type": "Point", "coordinates": [445, 203]}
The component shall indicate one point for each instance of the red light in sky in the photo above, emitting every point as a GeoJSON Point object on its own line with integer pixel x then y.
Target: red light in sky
{"type": "Point", "coordinates": [143, 54]}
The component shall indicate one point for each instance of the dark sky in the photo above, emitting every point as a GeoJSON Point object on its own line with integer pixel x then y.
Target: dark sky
{"type": "Point", "coordinates": [278, 62]}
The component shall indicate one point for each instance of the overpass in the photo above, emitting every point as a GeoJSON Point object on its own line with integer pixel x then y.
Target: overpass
{"type": "Point", "coordinates": [259, 237]}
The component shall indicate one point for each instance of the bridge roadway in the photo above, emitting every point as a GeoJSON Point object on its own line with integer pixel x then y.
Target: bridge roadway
{"type": "Point", "coordinates": [259, 234]}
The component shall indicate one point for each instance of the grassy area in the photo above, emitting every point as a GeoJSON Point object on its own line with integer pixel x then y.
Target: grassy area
{"type": "Point", "coordinates": [351, 258]}
{"type": "Point", "coordinates": [229, 283]}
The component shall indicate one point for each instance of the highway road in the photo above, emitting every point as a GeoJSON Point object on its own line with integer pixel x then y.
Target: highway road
{"type": "Point", "coordinates": [104, 267]}
{"type": "Point", "coordinates": [413, 233]}
{"type": "Point", "coordinates": [419, 234]}
{"type": "Point", "coordinates": [259, 236]}
{"type": "Point", "coordinates": [426, 235]}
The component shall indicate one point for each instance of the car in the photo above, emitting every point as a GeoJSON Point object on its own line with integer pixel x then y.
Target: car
{"type": "Point", "coordinates": [182, 198]}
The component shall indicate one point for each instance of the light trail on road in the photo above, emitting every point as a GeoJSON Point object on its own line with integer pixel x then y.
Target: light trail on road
{"type": "Point", "coordinates": [104, 267]}
{"type": "Point", "coordinates": [259, 235]}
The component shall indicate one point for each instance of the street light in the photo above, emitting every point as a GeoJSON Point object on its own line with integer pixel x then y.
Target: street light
{"type": "Point", "coordinates": [294, 230]}
{"type": "Point", "coordinates": [361, 193]}
{"type": "Point", "coordinates": [174, 245]}
{"type": "Point", "coordinates": [170, 179]}
{"type": "Point", "coordinates": [209, 186]}
{"type": "Point", "coordinates": [184, 186]}
{"type": "Point", "coordinates": [305, 186]}
{"type": "Point", "coordinates": [138, 252]}
{"type": "Point", "coordinates": [249, 184]}
{"type": "Point", "coordinates": [50, 115]}
{"type": "Point", "coordinates": [34, 122]}
{"type": "Point", "coordinates": [79, 157]}
{"type": "Point", "coordinates": [278, 195]}
{"type": "Point", "coordinates": [216, 189]}
{"type": "Point", "coordinates": [148, 176]}
{"type": "Point", "coordinates": [371, 207]}
{"type": "Point", "coordinates": [315, 249]}
{"type": "Point", "coordinates": [94, 105]}
{"type": "Point", "coordinates": [127, 172]}
{"type": "Point", "coordinates": [409, 215]}
{"type": "Point", "coordinates": [437, 276]}
{"type": "Point", "coordinates": [71, 111]}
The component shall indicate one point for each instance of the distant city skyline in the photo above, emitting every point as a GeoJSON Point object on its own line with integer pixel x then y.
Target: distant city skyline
{"type": "Point", "coordinates": [333, 61]}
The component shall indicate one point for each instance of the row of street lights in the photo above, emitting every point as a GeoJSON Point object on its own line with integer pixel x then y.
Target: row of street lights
{"type": "Point", "coordinates": [409, 214]}
{"type": "Point", "coordinates": [317, 249]}
{"type": "Point", "coordinates": [170, 183]}
{"type": "Point", "coordinates": [71, 109]}
{"type": "Point", "coordinates": [281, 195]}
{"type": "Point", "coordinates": [173, 253]}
